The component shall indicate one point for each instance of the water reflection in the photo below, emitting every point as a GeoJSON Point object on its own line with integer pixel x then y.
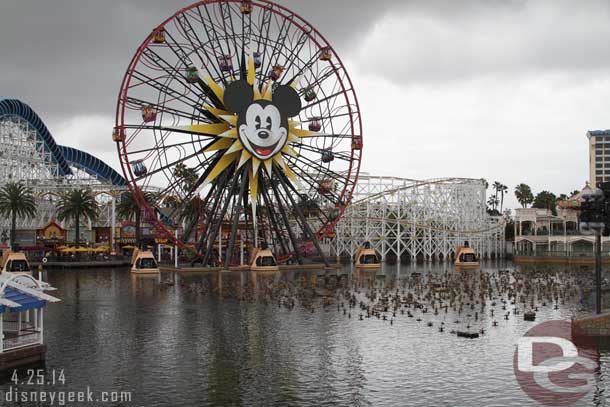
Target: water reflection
{"type": "Point", "coordinates": [295, 338]}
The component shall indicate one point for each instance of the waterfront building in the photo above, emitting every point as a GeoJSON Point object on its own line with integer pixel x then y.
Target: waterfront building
{"type": "Point", "coordinates": [542, 232]}
{"type": "Point", "coordinates": [22, 303]}
{"type": "Point", "coordinates": [599, 156]}
{"type": "Point", "coordinates": [51, 235]}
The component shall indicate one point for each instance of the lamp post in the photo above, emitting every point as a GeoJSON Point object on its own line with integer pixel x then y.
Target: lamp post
{"type": "Point", "coordinates": [594, 220]}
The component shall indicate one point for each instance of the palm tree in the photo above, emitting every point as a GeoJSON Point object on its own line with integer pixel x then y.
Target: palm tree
{"type": "Point", "coordinates": [496, 186]}
{"type": "Point", "coordinates": [16, 200]}
{"type": "Point", "coordinates": [75, 205]}
{"type": "Point", "coordinates": [128, 208]}
{"type": "Point", "coordinates": [524, 195]}
{"type": "Point", "coordinates": [188, 176]}
{"type": "Point", "coordinates": [503, 189]}
{"type": "Point", "coordinates": [493, 202]}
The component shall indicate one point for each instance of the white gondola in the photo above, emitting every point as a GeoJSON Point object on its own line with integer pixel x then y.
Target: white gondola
{"type": "Point", "coordinates": [263, 260]}
{"type": "Point", "coordinates": [465, 257]}
{"type": "Point", "coordinates": [367, 258]}
{"type": "Point", "coordinates": [143, 262]}
{"type": "Point", "coordinates": [16, 263]}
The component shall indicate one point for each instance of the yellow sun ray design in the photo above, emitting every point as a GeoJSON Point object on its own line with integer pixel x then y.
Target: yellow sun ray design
{"type": "Point", "coordinates": [245, 156]}
{"type": "Point", "coordinates": [235, 147]}
{"type": "Point", "coordinates": [231, 133]}
{"type": "Point", "coordinates": [221, 144]}
{"type": "Point", "coordinates": [220, 166]}
{"type": "Point", "coordinates": [228, 143]}
{"type": "Point", "coordinates": [269, 166]}
{"type": "Point", "coordinates": [216, 112]}
{"type": "Point", "coordinates": [216, 88]}
{"type": "Point", "coordinates": [289, 151]}
{"type": "Point", "coordinates": [212, 129]}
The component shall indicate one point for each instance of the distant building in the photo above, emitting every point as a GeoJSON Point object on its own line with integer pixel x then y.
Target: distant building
{"type": "Point", "coordinates": [51, 235]}
{"type": "Point", "coordinates": [599, 156]}
{"type": "Point", "coordinates": [538, 232]}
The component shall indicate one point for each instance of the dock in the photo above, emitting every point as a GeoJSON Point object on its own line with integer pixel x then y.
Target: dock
{"type": "Point", "coordinates": [564, 260]}
{"type": "Point", "coordinates": [596, 325]}
{"type": "Point", "coordinates": [80, 264]}
{"type": "Point", "coordinates": [22, 357]}
{"type": "Point", "coordinates": [283, 267]}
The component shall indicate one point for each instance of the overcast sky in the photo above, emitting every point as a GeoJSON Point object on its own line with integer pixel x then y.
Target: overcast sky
{"type": "Point", "coordinates": [502, 90]}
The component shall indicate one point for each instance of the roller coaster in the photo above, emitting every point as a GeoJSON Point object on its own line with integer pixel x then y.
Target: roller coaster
{"type": "Point", "coordinates": [400, 217]}
{"type": "Point", "coordinates": [30, 155]}
{"type": "Point", "coordinates": [419, 220]}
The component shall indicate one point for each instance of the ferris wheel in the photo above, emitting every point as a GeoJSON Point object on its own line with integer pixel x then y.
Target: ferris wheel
{"type": "Point", "coordinates": [245, 117]}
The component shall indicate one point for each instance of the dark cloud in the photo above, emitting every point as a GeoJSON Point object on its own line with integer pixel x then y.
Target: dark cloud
{"type": "Point", "coordinates": [515, 73]}
{"type": "Point", "coordinates": [525, 38]}
{"type": "Point", "coordinates": [67, 57]}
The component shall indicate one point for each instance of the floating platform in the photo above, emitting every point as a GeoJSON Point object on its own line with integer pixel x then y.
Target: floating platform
{"type": "Point", "coordinates": [245, 267]}
{"type": "Point", "coordinates": [529, 316]}
{"type": "Point", "coordinates": [81, 264]}
{"type": "Point", "coordinates": [567, 260]}
{"type": "Point", "coordinates": [468, 334]}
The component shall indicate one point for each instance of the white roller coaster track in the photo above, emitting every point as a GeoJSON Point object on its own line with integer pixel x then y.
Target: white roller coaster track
{"type": "Point", "coordinates": [416, 219]}
{"type": "Point", "coordinates": [25, 158]}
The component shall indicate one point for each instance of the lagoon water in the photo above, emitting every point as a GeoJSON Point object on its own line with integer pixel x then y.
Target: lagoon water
{"type": "Point", "coordinates": [174, 345]}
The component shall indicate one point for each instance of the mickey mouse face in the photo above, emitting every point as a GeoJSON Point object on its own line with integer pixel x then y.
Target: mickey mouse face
{"type": "Point", "coordinates": [262, 133]}
{"type": "Point", "coordinates": [262, 125]}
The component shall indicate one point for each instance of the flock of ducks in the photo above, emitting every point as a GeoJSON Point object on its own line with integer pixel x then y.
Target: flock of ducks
{"type": "Point", "coordinates": [465, 303]}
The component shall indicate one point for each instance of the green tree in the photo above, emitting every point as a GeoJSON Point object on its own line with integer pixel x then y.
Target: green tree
{"type": "Point", "coordinates": [128, 208]}
{"type": "Point", "coordinates": [546, 200]}
{"type": "Point", "coordinates": [76, 205]}
{"type": "Point", "coordinates": [524, 195]}
{"type": "Point", "coordinates": [16, 201]}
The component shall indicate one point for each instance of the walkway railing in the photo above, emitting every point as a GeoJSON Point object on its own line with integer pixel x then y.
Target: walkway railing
{"type": "Point", "coordinates": [560, 253]}
{"type": "Point", "coordinates": [13, 326]}
{"type": "Point", "coordinates": [25, 338]}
